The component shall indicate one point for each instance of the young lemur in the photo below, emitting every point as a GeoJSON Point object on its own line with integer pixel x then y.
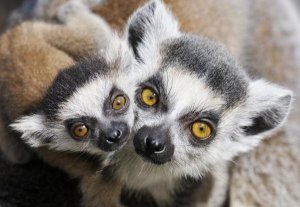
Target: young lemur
{"type": "Point", "coordinates": [196, 110]}
{"type": "Point", "coordinates": [45, 42]}
{"type": "Point", "coordinates": [154, 183]}
{"type": "Point", "coordinates": [85, 108]}
{"type": "Point", "coordinates": [267, 42]}
{"type": "Point", "coordinates": [264, 36]}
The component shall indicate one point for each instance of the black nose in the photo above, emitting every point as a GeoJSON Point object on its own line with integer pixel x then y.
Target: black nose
{"type": "Point", "coordinates": [114, 136]}
{"type": "Point", "coordinates": [154, 145]}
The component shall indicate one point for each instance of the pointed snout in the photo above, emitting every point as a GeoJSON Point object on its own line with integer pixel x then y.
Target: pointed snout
{"type": "Point", "coordinates": [154, 144]}
{"type": "Point", "coordinates": [113, 136]}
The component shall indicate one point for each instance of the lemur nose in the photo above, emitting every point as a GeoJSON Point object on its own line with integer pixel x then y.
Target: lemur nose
{"type": "Point", "coordinates": [114, 136]}
{"type": "Point", "coordinates": [154, 146]}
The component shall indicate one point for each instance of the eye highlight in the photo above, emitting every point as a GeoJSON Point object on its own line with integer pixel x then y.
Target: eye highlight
{"type": "Point", "coordinates": [119, 103]}
{"type": "Point", "coordinates": [149, 97]}
{"type": "Point", "coordinates": [201, 130]}
{"type": "Point", "coordinates": [79, 130]}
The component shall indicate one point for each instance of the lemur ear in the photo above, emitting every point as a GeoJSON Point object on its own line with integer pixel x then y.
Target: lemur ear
{"type": "Point", "coordinates": [32, 129]}
{"type": "Point", "coordinates": [268, 106]}
{"type": "Point", "coordinates": [148, 26]}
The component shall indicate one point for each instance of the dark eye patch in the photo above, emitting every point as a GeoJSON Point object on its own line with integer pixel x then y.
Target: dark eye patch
{"type": "Point", "coordinates": [107, 106]}
{"type": "Point", "coordinates": [155, 83]}
{"type": "Point", "coordinates": [212, 117]}
{"type": "Point", "coordinates": [193, 115]}
{"type": "Point", "coordinates": [91, 122]}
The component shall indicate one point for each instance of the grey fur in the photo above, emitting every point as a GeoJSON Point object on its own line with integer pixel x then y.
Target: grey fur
{"type": "Point", "coordinates": [196, 76]}
{"type": "Point", "coordinates": [210, 60]}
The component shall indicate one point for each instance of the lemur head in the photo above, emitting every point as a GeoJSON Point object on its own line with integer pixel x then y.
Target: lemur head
{"type": "Point", "coordinates": [87, 108]}
{"type": "Point", "coordinates": [197, 106]}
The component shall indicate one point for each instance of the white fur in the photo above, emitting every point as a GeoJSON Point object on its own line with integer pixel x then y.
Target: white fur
{"type": "Point", "coordinates": [27, 125]}
{"type": "Point", "coordinates": [187, 91]}
{"type": "Point", "coordinates": [161, 26]}
{"type": "Point", "coordinates": [87, 100]}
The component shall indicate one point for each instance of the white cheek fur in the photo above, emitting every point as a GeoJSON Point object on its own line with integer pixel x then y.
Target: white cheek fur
{"type": "Point", "coordinates": [87, 100]}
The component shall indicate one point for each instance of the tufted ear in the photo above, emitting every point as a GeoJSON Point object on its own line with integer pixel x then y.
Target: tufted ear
{"type": "Point", "coordinates": [33, 130]}
{"type": "Point", "coordinates": [148, 26]}
{"type": "Point", "coordinates": [267, 107]}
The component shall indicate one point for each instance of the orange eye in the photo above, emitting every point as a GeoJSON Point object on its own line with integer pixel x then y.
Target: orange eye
{"type": "Point", "coordinates": [201, 130]}
{"type": "Point", "coordinates": [149, 97]}
{"type": "Point", "coordinates": [119, 103]}
{"type": "Point", "coordinates": [80, 130]}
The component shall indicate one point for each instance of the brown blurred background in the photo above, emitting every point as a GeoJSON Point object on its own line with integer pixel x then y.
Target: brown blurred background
{"type": "Point", "coordinates": [6, 6]}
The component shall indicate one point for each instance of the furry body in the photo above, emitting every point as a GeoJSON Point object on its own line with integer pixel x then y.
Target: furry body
{"type": "Point", "coordinates": [38, 51]}
{"type": "Point", "coordinates": [232, 36]}
{"type": "Point", "coordinates": [264, 36]}
{"type": "Point", "coordinates": [38, 40]}
{"type": "Point", "coordinates": [250, 46]}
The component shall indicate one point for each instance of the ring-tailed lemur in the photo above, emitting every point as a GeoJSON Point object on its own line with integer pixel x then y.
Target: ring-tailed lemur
{"type": "Point", "coordinates": [271, 54]}
{"type": "Point", "coordinates": [46, 43]}
{"type": "Point", "coordinates": [264, 36]}
{"type": "Point", "coordinates": [196, 110]}
{"type": "Point", "coordinates": [87, 108]}
{"type": "Point", "coordinates": [148, 91]}
{"type": "Point", "coordinates": [87, 102]}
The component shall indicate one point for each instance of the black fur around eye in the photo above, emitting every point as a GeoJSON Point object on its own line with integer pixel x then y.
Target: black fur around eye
{"type": "Point", "coordinates": [201, 126]}
{"type": "Point", "coordinates": [202, 131]}
{"type": "Point", "coordinates": [149, 97]}
{"type": "Point", "coordinates": [79, 131]}
{"type": "Point", "coordinates": [119, 102]}
{"type": "Point", "coordinates": [116, 103]}
{"type": "Point", "coordinates": [81, 128]}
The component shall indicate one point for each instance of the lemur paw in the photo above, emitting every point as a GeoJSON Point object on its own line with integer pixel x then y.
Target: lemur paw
{"type": "Point", "coordinates": [70, 10]}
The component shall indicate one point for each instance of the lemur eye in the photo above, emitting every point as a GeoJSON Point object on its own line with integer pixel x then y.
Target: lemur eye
{"type": "Point", "coordinates": [79, 130]}
{"type": "Point", "coordinates": [119, 103]}
{"type": "Point", "coordinates": [149, 97]}
{"type": "Point", "coordinates": [201, 130]}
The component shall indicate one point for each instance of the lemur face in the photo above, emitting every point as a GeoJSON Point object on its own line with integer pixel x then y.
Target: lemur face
{"type": "Point", "coordinates": [180, 106]}
{"type": "Point", "coordinates": [87, 109]}
{"type": "Point", "coordinates": [195, 110]}
{"type": "Point", "coordinates": [195, 106]}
